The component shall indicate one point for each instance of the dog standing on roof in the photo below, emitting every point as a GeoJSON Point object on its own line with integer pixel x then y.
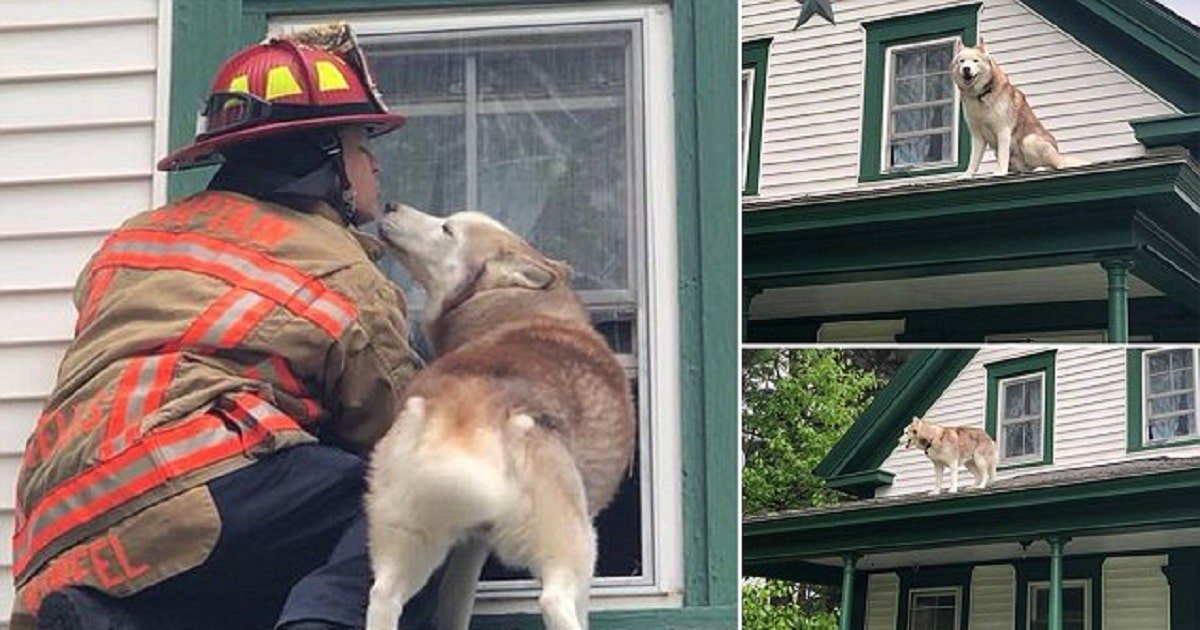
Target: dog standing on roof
{"type": "Point", "coordinates": [952, 447]}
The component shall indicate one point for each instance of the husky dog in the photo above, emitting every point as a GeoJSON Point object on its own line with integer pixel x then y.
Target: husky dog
{"type": "Point", "coordinates": [951, 447]}
{"type": "Point", "coordinates": [511, 441]}
{"type": "Point", "coordinates": [999, 116]}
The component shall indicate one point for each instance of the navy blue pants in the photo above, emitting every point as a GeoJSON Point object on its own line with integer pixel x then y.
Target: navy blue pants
{"type": "Point", "coordinates": [293, 547]}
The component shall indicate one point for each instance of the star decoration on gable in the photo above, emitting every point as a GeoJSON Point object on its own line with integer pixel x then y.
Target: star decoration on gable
{"type": "Point", "coordinates": [809, 8]}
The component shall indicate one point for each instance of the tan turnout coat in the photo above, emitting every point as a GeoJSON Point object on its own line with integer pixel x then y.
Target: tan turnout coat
{"type": "Point", "coordinates": [211, 332]}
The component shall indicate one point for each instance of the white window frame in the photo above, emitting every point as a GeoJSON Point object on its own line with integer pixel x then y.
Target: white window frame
{"type": "Point", "coordinates": [1145, 402]}
{"type": "Point", "coordinates": [1039, 376]}
{"type": "Point", "coordinates": [747, 115]}
{"type": "Point", "coordinates": [885, 154]}
{"type": "Point", "coordinates": [657, 368]}
{"type": "Point", "coordinates": [940, 590]}
{"type": "Point", "coordinates": [1085, 584]}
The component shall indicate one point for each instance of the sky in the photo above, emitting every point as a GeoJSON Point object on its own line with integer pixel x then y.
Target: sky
{"type": "Point", "coordinates": [1189, 9]}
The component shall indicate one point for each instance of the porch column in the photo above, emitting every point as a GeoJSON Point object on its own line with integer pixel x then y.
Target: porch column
{"type": "Point", "coordinates": [1056, 578]}
{"type": "Point", "coordinates": [1118, 299]}
{"type": "Point", "coordinates": [845, 613]}
{"type": "Point", "coordinates": [749, 292]}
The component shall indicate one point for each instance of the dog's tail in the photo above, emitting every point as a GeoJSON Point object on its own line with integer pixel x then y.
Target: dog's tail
{"type": "Point", "coordinates": [1060, 161]}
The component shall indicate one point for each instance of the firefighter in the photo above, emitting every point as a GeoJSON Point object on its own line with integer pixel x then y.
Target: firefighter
{"type": "Point", "coordinates": [200, 462]}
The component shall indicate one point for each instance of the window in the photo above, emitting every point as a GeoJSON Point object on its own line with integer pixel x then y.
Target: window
{"type": "Point", "coordinates": [1076, 605]}
{"type": "Point", "coordinates": [754, 92]}
{"type": "Point", "coordinates": [911, 123]}
{"type": "Point", "coordinates": [1020, 421]}
{"type": "Point", "coordinates": [922, 106]}
{"type": "Point", "coordinates": [1162, 388]}
{"type": "Point", "coordinates": [934, 608]}
{"type": "Point", "coordinates": [1170, 394]}
{"type": "Point", "coordinates": [1020, 409]}
{"type": "Point", "coordinates": [558, 122]}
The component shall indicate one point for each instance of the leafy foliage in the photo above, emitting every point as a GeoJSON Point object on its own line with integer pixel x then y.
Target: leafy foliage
{"type": "Point", "coordinates": [780, 605]}
{"type": "Point", "coordinates": [795, 406]}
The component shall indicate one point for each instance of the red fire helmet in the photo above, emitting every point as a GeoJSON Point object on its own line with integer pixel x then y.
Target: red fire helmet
{"type": "Point", "coordinates": [282, 86]}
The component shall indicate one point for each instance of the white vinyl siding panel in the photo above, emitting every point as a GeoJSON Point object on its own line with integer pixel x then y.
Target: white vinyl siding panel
{"type": "Point", "coordinates": [80, 120]}
{"type": "Point", "coordinates": [1136, 593]}
{"type": "Point", "coordinates": [883, 601]}
{"type": "Point", "coordinates": [1089, 415]}
{"type": "Point", "coordinates": [811, 126]}
{"type": "Point", "coordinates": [993, 597]}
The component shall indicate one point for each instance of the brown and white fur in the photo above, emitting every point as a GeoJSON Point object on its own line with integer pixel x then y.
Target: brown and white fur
{"type": "Point", "coordinates": [512, 440]}
{"type": "Point", "coordinates": [951, 447]}
{"type": "Point", "coordinates": [999, 116]}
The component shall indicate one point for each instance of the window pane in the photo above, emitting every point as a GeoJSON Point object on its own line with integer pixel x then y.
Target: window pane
{"type": "Point", "coordinates": [939, 87]}
{"type": "Point", "coordinates": [559, 179]}
{"type": "Point", "coordinates": [419, 76]}
{"type": "Point", "coordinates": [931, 117]}
{"type": "Point", "coordinates": [1160, 362]}
{"type": "Point", "coordinates": [537, 68]}
{"type": "Point", "coordinates": [1014, 399]}
{"type": "Point", "coordinates": [1182, 379]}
{"type": "Point", "coordinates": [1022, 438]}
{"type": "Point", "coordinates": [1160, 383]}
{"type": "Point", "coordinates": [910, 62]}
{"type": "Point", "coordinates": [1033, 398]}
{"type": "Point", "coordinates": [923, 149]}
{"type": "Point", "coordinates": [424, 164]}
{"type": "Point", "coordinates": [937, 58]}
{"type": "Point", "coordinates": [909, 91]}
{"type": "Point", "coordinates": [1073, 608]}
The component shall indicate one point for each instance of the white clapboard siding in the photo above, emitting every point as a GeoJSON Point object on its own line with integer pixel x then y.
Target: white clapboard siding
{"type": "Point", "coordinates": [82, 118]}
{"type": "Point", "coordinates": [1089, 416]}
{"type": "Point", "coordinates": [883, 601]}
{"type": "Point", "coordinates": [1136, 593]}
{"type": "Point", "coordinates": [993, 597]}
{"type": "Point", "coordinates": [812, 117]}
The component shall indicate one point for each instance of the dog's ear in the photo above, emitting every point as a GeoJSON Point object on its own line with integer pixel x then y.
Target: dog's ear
{"type": "Point", "coordinates": [980, 44]}
{"type": "Point", "coordinates": [520, 270]}
{"type": "Point", "coordinates": [958, 45]}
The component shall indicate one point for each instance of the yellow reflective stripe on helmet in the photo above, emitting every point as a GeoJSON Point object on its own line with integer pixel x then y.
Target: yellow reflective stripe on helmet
{"type": "Point", "coordinates": [329, 78]}
{"type": "Point", "coordinates": [280, 83]}
{"type": "Point", "coordinates": [240, 83]}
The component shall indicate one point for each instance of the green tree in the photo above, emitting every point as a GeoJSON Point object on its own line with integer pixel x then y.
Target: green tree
{"type": "Point", "coordinates": [795, 405]}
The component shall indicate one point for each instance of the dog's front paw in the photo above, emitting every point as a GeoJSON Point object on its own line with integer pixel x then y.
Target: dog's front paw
{"type": "Point", "coordinates": [935, 492]}
{"type": "Point", "coordinates": [965, 175]}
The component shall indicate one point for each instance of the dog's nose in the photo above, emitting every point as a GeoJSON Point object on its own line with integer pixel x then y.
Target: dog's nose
{"type": "Point", "coordinates": [390, 207]}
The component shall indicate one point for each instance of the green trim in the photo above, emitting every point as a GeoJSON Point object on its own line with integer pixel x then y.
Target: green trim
{"type": "Point", "coordinates": [864, 482]}
{"type": "Point", "coordinates": [705, 40]}
{"type": "Point", "coordinates": [1164, 131]}
{"type": "Point", "coordinates": [1042, 362]}
{"type": "Point", "coordinates": [1157, 319]}
{"type": "Point", "coordinates": [755, 56]}
{"type": "Point", "coordinates": [846, 610]}
{"type": "Point", "coordinates": [1099, 506]}
{"type": "Point", "coordinates": [1156, 47]}
{"type": "Point", "coordinates": [918, 383]}
{"type": "Point", "coordinates": [1183, 578]}
{"type": "Point", "coordinates": [961, 21]}
{"type": "Point", "coordinates": [1117, 272]}
{"type": "Point", "coordinates": [1134, 405]}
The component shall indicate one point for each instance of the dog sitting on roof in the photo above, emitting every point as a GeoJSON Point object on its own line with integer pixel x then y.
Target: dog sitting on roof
{"type": "Point", "coordinates": [999, 116]}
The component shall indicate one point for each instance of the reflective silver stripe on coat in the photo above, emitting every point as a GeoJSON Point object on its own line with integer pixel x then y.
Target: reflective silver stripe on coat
{"type": "Point", "coordinates": [134, 406]}
{"type": "Point", "coordinates": [234, 313]}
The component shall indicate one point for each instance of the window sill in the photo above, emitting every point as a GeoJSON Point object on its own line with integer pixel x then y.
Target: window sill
{"type": "Point", "coordinates": [1188, 441]}
{"type": "Point", "coordinates": [912, 173]}
{"type": "Point", "coordinates": [1023, 464]}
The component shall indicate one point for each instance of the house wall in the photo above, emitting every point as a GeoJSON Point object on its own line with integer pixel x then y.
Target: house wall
{"type": "Point", "coordinates": [80, 93]}
{"type": "Point", "coordinates": [815, 83]}
{"type": "Point", "coordinates": [1089, 416]}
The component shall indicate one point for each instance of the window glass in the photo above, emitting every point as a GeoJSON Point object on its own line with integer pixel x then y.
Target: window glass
{"type": "Point", "coordinates": [936, 610]}
{"type": "Point", "coordinates": [922, 111]}
{"type": "Point", "coordinates": [1074, 606]}
{"type": "Point", "coordinates": [539, 128]}
{"type": "Point", "coordinates": [1170, 394]}
{"type": "Point", "coordinates": [1021, 417]}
